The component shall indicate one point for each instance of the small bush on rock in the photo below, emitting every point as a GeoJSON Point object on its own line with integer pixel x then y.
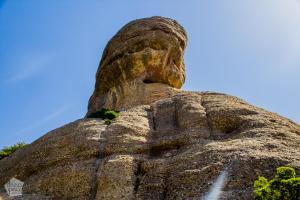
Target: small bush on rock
{"type": "Point", "coordinates": [7, 151]}
{"type": "Point", "coordinates": [285, 186]}
{"type": "Point", "coordinates": [110, 114]}
{"type": "Point", "coordinates": [105, 114]}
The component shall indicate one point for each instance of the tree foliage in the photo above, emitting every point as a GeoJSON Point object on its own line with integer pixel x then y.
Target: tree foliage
{"type": "Point", "coordinates": [285, 186]}
{"type": "Point", "coordinates": [7, 151]}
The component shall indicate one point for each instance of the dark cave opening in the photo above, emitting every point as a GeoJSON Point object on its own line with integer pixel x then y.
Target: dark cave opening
{"type": "Point", "coordinates": [148, 81]}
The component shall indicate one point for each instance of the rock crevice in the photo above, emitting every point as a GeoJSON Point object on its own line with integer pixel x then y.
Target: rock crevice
{"type": "Point", "coordinates": [99, 160]}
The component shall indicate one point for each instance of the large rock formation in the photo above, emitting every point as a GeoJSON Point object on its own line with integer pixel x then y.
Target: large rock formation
{"type": "Point", "coordinates": [144, 51]}
{"type": "Point", "coordinates": [172, 147]}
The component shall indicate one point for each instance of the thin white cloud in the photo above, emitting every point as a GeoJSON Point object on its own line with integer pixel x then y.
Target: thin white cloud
{"type": "Point", "coordinates": [276, 22]}
{"type": "Point", "coordinates": [284, 29]}
{"type": "Point", "coordinates": [292, 20]}
{"type": "Point", "coordinates": [45, 120]}
{"type": "Point", "coordinates": [29, 67]}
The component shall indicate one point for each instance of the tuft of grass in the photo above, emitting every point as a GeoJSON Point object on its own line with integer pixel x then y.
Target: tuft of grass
{"type": "Point", "coordinates": [285, 186]}
{"type": "Point", "coordinates": [7, 151]}
{"type": "Point", "coordinates": [106, 114]}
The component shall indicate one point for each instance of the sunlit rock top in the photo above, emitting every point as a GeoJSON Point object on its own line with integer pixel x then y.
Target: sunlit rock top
{"type": "Point", "coordinates": [142, 63]}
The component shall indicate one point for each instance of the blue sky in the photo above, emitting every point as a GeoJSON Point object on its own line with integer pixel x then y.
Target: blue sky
{"type": "Point", "coordinates": [50, 50]}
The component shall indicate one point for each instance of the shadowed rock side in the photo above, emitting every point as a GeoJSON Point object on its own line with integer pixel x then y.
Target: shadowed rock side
{"type": "Point", "coordinates": [172, 149]}
{"type": "Point", "coordinates": [145, 60]}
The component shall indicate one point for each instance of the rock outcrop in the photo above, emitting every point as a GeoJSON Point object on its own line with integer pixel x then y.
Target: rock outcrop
{"type": "Point", "coordinates": [144, 51]}
{"type": "Point", "coordinates": [172, 147]}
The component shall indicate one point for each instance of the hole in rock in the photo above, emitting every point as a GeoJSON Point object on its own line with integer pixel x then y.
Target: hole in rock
{"type": "Point", "coordinates": [148, 81]}
{"type": "Point", "coordinates": [229, 130]}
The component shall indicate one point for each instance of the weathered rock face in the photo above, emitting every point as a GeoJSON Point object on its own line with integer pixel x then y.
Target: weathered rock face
{"type": "Point", "coordinates": [145, 51]}
{"type": "Point", "coordinates": [172, 149]}
{"type": "Point", "coordinates": [166, 144]}
{"type": "Point", "coordinates": [60, 163]}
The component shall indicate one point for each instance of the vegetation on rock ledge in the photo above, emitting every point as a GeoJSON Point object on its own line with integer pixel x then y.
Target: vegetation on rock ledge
{"type": "Point", "coordinates": [7, 151]}
{"type": "Point", "coordinates": [106, 114]}
{"type": "Point", "coordinates": [285, 186]}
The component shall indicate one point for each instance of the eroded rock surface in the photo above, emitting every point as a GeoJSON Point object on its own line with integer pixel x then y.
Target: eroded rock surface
{"type": "Point", "coordinates": [143, 52]}
{"type": "Point", "coordinates": [167, 144]}
{"type": "Point", "coordinates": [172, 149]}
{"type": "Point", "coordinates": [60, 163]}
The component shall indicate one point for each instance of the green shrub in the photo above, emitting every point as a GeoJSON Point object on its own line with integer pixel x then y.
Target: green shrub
{"type": "Point", "coordinates": [285, 173]}
{"type": "Point", "coordinates": [285, 186]}
{"type": "Point", "coordinates": [105, 114]}
{"type": "Point", "coordinates": [7, 151]}
{"type": "Point", "coordinates": [111, 114]}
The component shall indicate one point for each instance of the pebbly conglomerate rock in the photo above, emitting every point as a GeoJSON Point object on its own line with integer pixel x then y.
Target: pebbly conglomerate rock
{"type": "Point", "coordinates": [166, 144]}
{"type": "Point", "coordinates": [173, 148]}
{"type": "Point", "coordinates": [144, 51]}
